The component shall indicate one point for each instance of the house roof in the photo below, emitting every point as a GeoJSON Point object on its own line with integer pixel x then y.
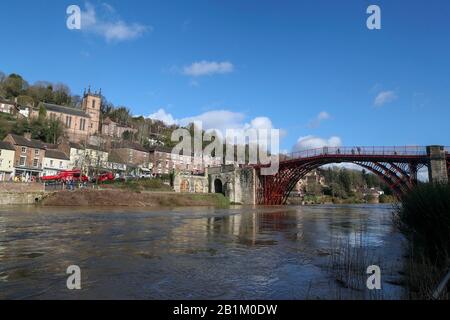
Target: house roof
{"type": "Point", "coordinates": [107, 121]}
{"type": "Point", "coordinates": [74, 145]}
{"type": "Point", "coordinates": [6, 146]}
{"type": "Point", "coordinates": [22, 141]}
{"type": "Point", "coordinates": [129, 145]}
{"type": "Point", "coordinates": [56, 154]}
{"type": "Point", "coordinates": [66, 110]}
{"type": "Point", "coordinates": [4, 101]}
{"type": "Point", "coordinates": [97, 148]}
{"type": "Point", "coordinates": [51, 146]}
{"type": "Point", "coordinates": [160, 149]}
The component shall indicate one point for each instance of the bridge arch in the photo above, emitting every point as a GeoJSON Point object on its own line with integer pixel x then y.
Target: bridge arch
{"type": "Point", "coordinates": [397, 167]}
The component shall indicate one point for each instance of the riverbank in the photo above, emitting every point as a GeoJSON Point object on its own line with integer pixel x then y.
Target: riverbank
{"type": "Point", "coordinates": [326, 200]}
{"type": "Point", "coordinates": [125, 198]}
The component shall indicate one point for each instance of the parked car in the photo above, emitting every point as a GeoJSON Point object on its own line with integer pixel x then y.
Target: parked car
{"type": "Point", "coordinates": [128, 178]}
{"type": "Point", "coordinates": [108, 176]}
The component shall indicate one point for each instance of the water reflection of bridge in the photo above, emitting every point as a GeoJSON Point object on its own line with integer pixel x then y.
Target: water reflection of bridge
{"type": "Point", "coordinates": [261, 227]}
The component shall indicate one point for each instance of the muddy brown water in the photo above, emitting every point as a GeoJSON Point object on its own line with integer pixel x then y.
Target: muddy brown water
{"type": "Point", "coordinates": [193, 253]}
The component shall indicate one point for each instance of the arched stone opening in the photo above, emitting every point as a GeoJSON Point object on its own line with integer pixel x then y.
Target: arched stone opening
{"type": "Point", "coordinates": [218, 187]}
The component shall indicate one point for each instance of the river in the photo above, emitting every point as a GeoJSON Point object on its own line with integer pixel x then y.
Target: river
{"type": "Point", "coordinates": [197, 253]}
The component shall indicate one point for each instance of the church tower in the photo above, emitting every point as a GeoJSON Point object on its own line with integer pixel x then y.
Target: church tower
{"type": "Point", "coordinates": [91, 104]}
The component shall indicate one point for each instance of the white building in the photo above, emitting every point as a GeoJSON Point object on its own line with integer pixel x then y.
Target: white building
{"type": "Point", "coordinates": [96, 157]}
{"type": "Point", "coordinates": [7, 152]}
{"type": "Point", "coordinates": [7, 106]}
{"type": "Point", "coordinates": [55, 161]}
{"type": "Point", "coordinates": [24, 111]}
{"type": "Point", "coordinates": [77, 154]}
{"type": "Point", "coordinates": [115, 164]}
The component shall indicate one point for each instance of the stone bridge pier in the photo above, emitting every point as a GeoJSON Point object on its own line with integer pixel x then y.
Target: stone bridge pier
{"type": "Point", "coordinates": [438, 170]}
{"type": "Point", "coordinates": [237, 184]}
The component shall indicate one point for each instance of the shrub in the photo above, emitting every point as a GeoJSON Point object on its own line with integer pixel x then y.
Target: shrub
{"type": "Point", "coordinates": [424, 217]}
{"type": "Point", "coordinates": [385, 198]}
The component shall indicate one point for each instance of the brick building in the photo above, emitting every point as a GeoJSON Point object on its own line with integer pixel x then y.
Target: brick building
{"type": "Point", "coordinates": [115, 130]}
{"type": "Point", "coordinates": [161, 160]}
{"type": "Point", "coordinates": [79, 123]}
{"type": "Point", "coordinates": [131, 153]}
{"type": "Point", "coordinates": [29, 155]}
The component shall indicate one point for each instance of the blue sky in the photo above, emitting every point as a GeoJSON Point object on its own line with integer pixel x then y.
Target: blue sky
{"type": "Point", "coordinates": [310, 68]}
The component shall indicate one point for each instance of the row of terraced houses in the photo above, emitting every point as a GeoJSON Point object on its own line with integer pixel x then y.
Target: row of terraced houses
{"type": "Point", "coordinates": [89, 144]}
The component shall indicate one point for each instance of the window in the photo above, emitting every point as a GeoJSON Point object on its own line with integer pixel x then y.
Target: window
{"type": "Point", "coordinates": [93, 104]}
{"type": "Point", "coordinates": [1, 160]}
{"type": "Point", "coordinates": [35, 163]}
{"type": "Point", "coordinates": [24, 150]}
{"type": "Point", "coordinates": [51, 163]}
{"type": "Point", "coordinates": [60, 164]}
{"type": "Point", "coordinates": [82, 124]}
{"type": "Point", "coordinates": [0, 153]}
{"type": "Point", "coordinates": [36, 152]}
{"type": "Point", "coordinates": [68, 121]}
{"type": "Point", "coordinates": [22, 161]}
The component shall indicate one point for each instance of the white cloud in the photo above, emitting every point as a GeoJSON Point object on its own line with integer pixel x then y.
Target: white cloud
{"type": "Point", "coordinates": [384, 97]}
{"type": "Point", "coordinates": [219, 120]}
{"type": "Point", "coordinates": [322, 116]}
{"type": "Point", "coordinates": [208, 68]}
{"type": "Point", "coordinates": [260, 123]}
{"type": "Point", "coordinates": [108, 25]}
{"type": "Point", "coordinates": [313, 142]}
{"type": "Point", "coordinates": [163, 116]}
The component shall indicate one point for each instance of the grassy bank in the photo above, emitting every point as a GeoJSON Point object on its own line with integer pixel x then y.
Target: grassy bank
{"type": "Point", "coordinates": [424, 218]}
{"type": "Point", "coordinates": [127, 198]}
{"type": "Point", "coordinates": [324, 199]}
{"type": "Point", "coordinates": [139, 185]}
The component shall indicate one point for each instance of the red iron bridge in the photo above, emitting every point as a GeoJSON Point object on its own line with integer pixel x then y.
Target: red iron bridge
{"type": "Point", "coordinates": [396, 166]}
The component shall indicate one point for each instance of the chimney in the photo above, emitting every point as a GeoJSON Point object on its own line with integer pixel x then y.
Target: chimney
{"type": "Point", "coordinates": [27, 135]}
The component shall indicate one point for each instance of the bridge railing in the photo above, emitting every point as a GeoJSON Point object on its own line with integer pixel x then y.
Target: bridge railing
{"type": "Point", "coordinates": [363, 151]}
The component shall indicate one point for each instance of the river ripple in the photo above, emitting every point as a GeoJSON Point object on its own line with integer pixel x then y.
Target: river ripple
{"type": "Point", "coordinates": [192, 253]}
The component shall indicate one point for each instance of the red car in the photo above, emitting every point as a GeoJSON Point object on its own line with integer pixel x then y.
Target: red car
{"type": "Point", "coordinates": [105, 177]}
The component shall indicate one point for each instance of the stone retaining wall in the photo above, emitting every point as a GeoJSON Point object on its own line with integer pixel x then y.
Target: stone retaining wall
{"type": "Point", "coordinates": [190, 184]}
{"type": "Point", "coordinates": [21, 187]}
{"type": "Point", "coordinates": [16, 198]}
{"type": "Point", "coordinates": [20, 193]}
